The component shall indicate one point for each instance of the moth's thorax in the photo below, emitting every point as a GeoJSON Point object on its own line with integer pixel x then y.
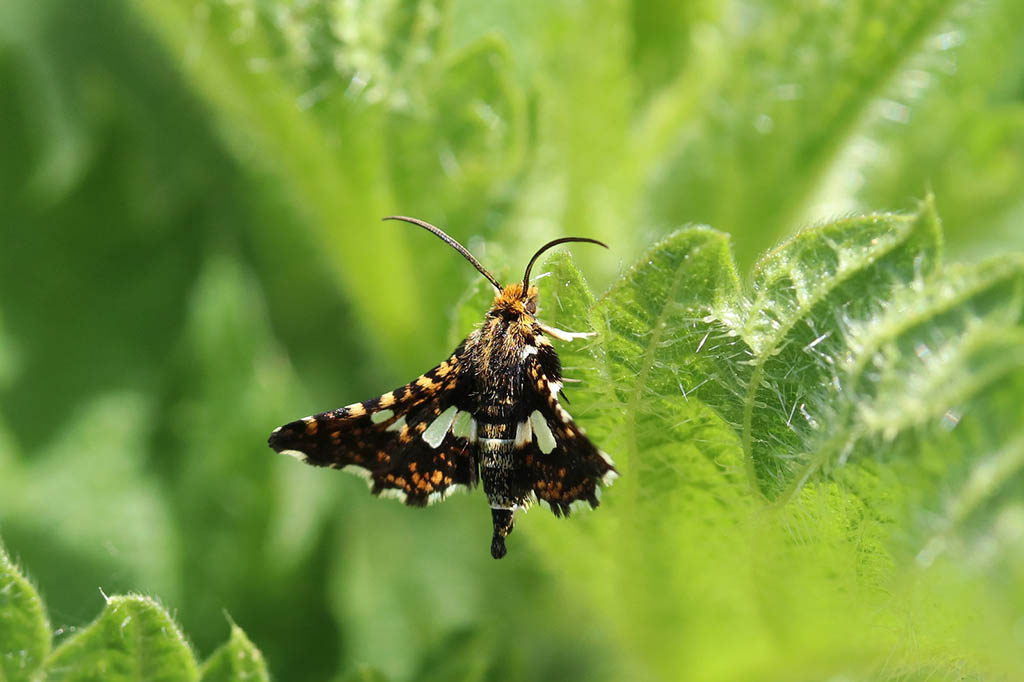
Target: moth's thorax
{"type": "Point", "coordinates": [497, 353]}
{"type": "Point", "coordinates": [501, 344]}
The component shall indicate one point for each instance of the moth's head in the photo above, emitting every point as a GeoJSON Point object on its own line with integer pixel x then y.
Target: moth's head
{"type": "Point", "coordinates": [517, 301]}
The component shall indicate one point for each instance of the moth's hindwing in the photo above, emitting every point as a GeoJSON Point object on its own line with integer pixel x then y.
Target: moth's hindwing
{"type": "Point", "coordinates": [574, 467]}
{"type": "Point", "coordinates": [396, 441]}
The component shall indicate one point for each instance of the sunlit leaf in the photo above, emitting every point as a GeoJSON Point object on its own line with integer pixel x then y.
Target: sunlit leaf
{"type": "Point", "coordinates": [133, 640]}
{"type": "Point", "coordinates": [24, 629]}
{"type": "Point", "coordinates": [237, 660]}
{"type": "Point", "coordinates": [792, 448]}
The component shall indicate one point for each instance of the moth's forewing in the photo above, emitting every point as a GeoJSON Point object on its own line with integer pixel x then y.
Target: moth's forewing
{"type": "Point", "coordinates": [389, 441]}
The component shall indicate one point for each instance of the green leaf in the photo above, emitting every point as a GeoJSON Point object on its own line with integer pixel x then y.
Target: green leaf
{"type": "Point", "coordinates": [811, 296]}
{"type": "Point", "coordinates": [796, 89]}
{"type": "Point", "coordinates": [133, 640]}
{"type": "Point", "coordinates": [929, 102]}
{"type": "Point", "coordinates": [857, 396]}
{"type": "Point", "coordinates": [24, 629]}
{"type": "Point", "coordinates": [398, 106]}
{"type": "Point", "coordinates": [237, 660]}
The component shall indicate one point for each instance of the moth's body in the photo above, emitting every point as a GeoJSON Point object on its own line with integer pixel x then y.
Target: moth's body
{"type": "Point", "coordinates": [501, 354]}
{"type": "Point", "coordinates": [507, 377]}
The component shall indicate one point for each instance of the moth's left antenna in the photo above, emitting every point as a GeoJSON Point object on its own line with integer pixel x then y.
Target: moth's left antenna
{"type": "Point", "coordinates": [451, 242]}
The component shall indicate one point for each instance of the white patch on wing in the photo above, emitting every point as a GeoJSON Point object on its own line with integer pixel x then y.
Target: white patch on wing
{"type": "Point", "coordinates": [578, 505]}
{"type": "Point", "coordinates": [393, 492]}
{"type": "Point", "coordinates": [441, 495]}
{"type": "Point", "coordinates": [528, 351]}
{"type": "Point", "coordinates": [438, 429]}
{"type": "Point", "coordinates": [472, 430]}
{"type": "Point", "coordinates": [381, 416]}
{"type": "Point", "coordinates": [461, 425]}
{"type": "Point", "coordinates": [545, 439]}
{"type": "Point", "coordinates": [397, 425]}
{"type": "Point", "coordinates": [524, 434]}
{"type": "Point", "coordinates": [555, 387]}
{"type": "Point", "coordinates": [609, 475]}
{"type": "Point", "coordinates": [357, 470]}
{"type": "Point", "coordinates": [301, 456]}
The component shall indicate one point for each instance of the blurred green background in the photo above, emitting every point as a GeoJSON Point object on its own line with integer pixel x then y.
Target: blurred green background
{"type": "Point", "coordinates": [191, 253]}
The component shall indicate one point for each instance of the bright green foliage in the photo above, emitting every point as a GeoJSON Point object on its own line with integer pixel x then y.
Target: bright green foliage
{"type": "Point", "coordinates": [821, 450]}
{"type": "Point", "coordinates": [801, 449]}
{"type": "Point", "coordinates": [24, 630]}
{"type": "Point", "coordinates": [133, 640]}
{"type": "Point", "coordinates": [237, 660]}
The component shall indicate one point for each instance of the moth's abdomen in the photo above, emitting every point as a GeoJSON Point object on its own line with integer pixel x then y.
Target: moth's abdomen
{"type": "Point", "coordinates": [505, 476]}
{"type": "Point", "coordinates": [503, 473]}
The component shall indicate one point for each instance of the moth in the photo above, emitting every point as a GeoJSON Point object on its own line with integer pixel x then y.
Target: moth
{"type": "Point", "coordinates": [490, 412]}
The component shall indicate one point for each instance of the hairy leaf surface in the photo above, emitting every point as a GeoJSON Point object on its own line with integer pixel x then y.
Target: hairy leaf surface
{"type": "Point", "coordinates": [24, 629]}
{"type": "Point", "coordinates": [843, 427]}
{"type": "Point", "coordinates": [237, 660]}
{"type": "Point", "coordinates": [133, 640]}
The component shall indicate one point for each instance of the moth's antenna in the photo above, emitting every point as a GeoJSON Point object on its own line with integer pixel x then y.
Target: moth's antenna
{"type": "Point", "coordinates": [556, 242]}
{"type": "Point", "coordinates": [451, 242]}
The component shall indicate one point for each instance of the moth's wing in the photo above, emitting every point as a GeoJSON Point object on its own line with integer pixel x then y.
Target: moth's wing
{"type": "Point", "coordinates": [402, 442]}
{"type": "Point", "coordinates": [575, 467]}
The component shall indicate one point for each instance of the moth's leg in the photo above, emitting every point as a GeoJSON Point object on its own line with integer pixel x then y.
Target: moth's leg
{"type": "Point", "coordinates": [562, 335]}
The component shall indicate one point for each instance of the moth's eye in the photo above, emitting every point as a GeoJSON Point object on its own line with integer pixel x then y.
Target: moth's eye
{"type": "Point", "coordinates": [531, 306]}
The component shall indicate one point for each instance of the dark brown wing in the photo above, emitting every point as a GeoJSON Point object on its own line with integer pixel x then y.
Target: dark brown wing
{"type": "Point", "coordinates": [574, 467]}
{"type": "Point", "coordinates": [402, 442]}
